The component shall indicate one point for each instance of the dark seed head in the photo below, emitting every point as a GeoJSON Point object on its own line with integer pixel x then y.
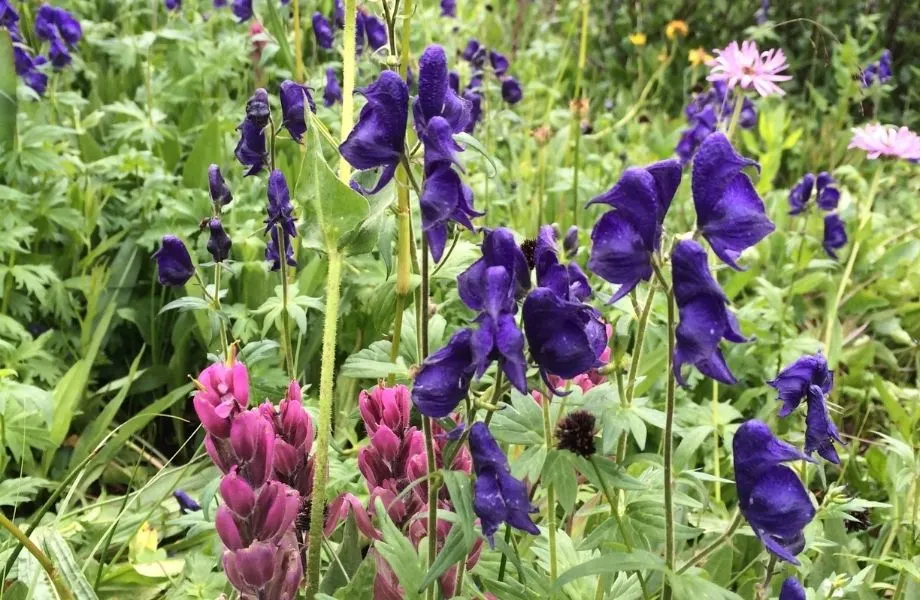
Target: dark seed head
{"type": "Point", "coordinates": [862, 522]}
{"type": "Point", "coordinates": [575, 433]}
{"type": "Point", "coordinates": [528, 247]}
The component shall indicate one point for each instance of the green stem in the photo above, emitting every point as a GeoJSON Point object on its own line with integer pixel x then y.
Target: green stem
{"type": "Point", "coordinates": [668, 453]}
{"type": "Point", "coordinates": [736, 114]}
{"type": "Point", "coordinates": [348, 81]}
{"type": "Point", "coordinates": [715, 545]}
{"type": "Point", "coordinates": [550, 497]}
{"type": "Point", "coordinates": [298, 42]}
{"type": "Point", "coordinates": [285, 317]}
{"type": "Point", "coordinates": [576, 122]}
{"type": "Point", "coordinates": [763, 588]}
{"type": "Point", "coordinates": [223, 331]}
{"type": "Point", "coordinates": [803, 232]}
{"type": "Point", "coordinates": [643, 95]}
{"type": "Point", "coordinates": [716, 460]}
{"type": "Point", "coordinates": [326, 380]}
{"type": "Point", "coordinates": [46, 564]}
{"type": "Point", "coordinates": [427, 422]}
{"type": "Point", "coordinates": [503, 563]}
{"type": "Point", "coordinates": [848, 271]}
{"type": "Point", "coordinates": [637, 347]}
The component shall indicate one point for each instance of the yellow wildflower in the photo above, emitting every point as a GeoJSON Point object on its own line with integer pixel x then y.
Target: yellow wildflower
{"type": "Point", "coordinates": [698, 57]}
{"type": "Point", "coordinates": [638, 39]}
{"type": "Point", "coordinates": [676, 28]}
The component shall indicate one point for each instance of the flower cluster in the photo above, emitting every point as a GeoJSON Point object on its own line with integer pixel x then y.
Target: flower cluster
{"type": "Point", "coordinates": [886, 140]}
{"type": "Point", "coordinates": [477, 55]}
{"type": "Point", "coordinates": [279, 223]}
{"type": "Point", "coordinates": [878, 71]}
{"type": "Point", "coordinates": [808, 379]}
{"type": "Point", "coordinates": [367, 27]}
{"type": "Point", "coordinates": [704, 114]}
{"type": "Point", "coordinates": [52, 24]}
{"type": "Point", "coordinates": [394, 459]}
{"type": "Point", "coordinates": [747, 67]}
{"type": "Point", "coordinates": [827, 197]}
{"type": "Point", "coordinates": [262, 452]}
{"type": "Point", "coordinates": [252, 148]}
{"type": "Point", "coordinates": [770, 495]}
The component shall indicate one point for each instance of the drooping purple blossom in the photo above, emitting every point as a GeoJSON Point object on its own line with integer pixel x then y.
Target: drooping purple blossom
{"type": "Point", "coordinates": [475, 53]}
{"type": "Point", "coordinates": [242, 9]}
{"type": "Point", "coordinates": [800, 194]}
{"type": "Point", "coordinates": [376, 31]}
{"type": "Point", "coordinates": [566, 281]}
{"type": "Point", "coordinates": [792, 589]}
{"type": "Point", "coordinates": [174, 264]}
{"type": "Point", "coordinates": [217, 187]}
{"type": "Point", "coordinates": [497, 496]}
{"type": "Point", "coordinates": [729, 212]}
{"type": "Point", "coordinates": [294, 100]}
{"type": "Point", "coordinates": [770, 495]}
{"type": "Point", "coordinates": [435, 97]}
{"type": "Point", "coordinates": [173, 4]}
{"type": "Point", "coordinates": [219, 242]}
{"type": "Point", "coordinates": [332, 93]}
{"type": "Point", "coordinates": [378, 138]}
{"type": "Point", "coordinates": [704, 315]}
{"type": "Point", "coordinates": [835, 234]}
{"type": "Point", "coordinates": [252, 150]}
{"type": "Point", "coordinates": [338, 13]}
{"type": "Point", "coordinates": [570, 241]}
{"type": "Point", "coordinates": [449, 8]}
{"type": "Point", "coordinates": [186, 503]}
{"type": "Point", "coordinates": [498, 337]}
{"type": "Point", "coordinates": [279, 217]}
{"type": "Point", "coordinates": [624, 240]}
{"type": "Point", "coordinates": [499, 62]}
{"type": "Point", "coordinates": [511, 90]}
{"type": "Point", "coordinates": [322, 31]}
{"type": "Point", "coordinates": [444, 377]}
{"type": "Point", "coordinates": [828, 194]}
{"type": "Point", "coordinates": [498, 249]}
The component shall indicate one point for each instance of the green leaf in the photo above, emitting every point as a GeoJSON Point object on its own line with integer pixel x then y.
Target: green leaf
{"type": "Point", "coordinates": [207, 150]}
{"type": "Point", "coordinates": [374, 362]}
{"type": "Point", "coordinates": [333, 212]}
{"type": "Point", "coordinates": [348, 558]}
{"type": "Point", "coordinates": [612, 562]}
{"type": "Point", "coordinates": [473, 143]}
{"type": "Point", "coordinates": [399, 553]}
{"type": "Point", "coordinates": [18, 490]}
{"type": "Point", "coordinates": [186, 303]}
{"type": "Point", "coordinates": [65, 564]}
{"type": "Point", "coordinates": [362, 584]}
{"type": "Point", "coordinates": [276, 27]}
{"type": "Point", "coordinates": [8, 101]}
{"type": "Point", "coordinates": [559, 472]}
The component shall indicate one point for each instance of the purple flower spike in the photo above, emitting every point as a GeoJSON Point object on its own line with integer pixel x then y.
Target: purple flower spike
{"type": "Point", "coordinates": [332, 93]}
{"type": "Point", "coordinates": [293, 98]}
{"type": "Point", "coordinates": [565, 338]}
{"type": "Point", "coordinates": [704, 315]}
{"type": "Point", "coordinates": [770, 495]}
{"type": "Point", "coordinates": [497, 496]}
{"type": "Point", "coordinates": [800, 194]}
{"type": "Point", "coordinates": [792, 590]}
{"type": "Point", "coordinates": [219, 242]}
{"type": "Point", "coordinates": [242, 9]}
{"type": "Point", "coordinates": [828, 194]}
{"type": "Point", "coordinates": [389, 407]}
{"type": "Point", "coordinates": [173, 262]}
{"type": "Point", "coordinates": [624, 240]}
{"type": "Point", "coordinates": [376, 31]}
{"type": "Point", "coordinates": [835, 234]}
{"type": "Point", "coordinates": [729, 212]}
{"type": "Point", "coordinates": [444, 378]}
{"type": "Point", "coordinates": [511, 91]}
{"type": "Point", "coordinates": [498, 249]}
{"type": "Point", "coordinates": [498, 337]}
{"type": "Point", "coordinates": [449, 8]}
{"type": "Point", "coordinates": [217, 187]}
{"type": "Point", "coordinates": [499, 62]}
{"type": "Point", "coordinates": [378, 139]}
{"type": "Point", "coordinates": [794, 381]}
{"type": "Point", "coordinates": [322, 31]}
{"type": "Point", "coordinates": [435, 95]}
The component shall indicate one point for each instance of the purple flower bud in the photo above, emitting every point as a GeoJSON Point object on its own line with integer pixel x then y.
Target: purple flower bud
{"type": "Point", "coordinates": [729, 212]}
{"type": "Point", "coordinates": [251, 150]}
{"type": "Point", "coordinates": [474, 53]}
{"type": "Point", "coordinates": [820, 431]}
{"type": "Point", "coordinates": [238, 495]}
{"type": "Point", "coordinates": [378, 138]}
{"type": "Point", "coordinates": [173, 262]}
{"type": "Point", "coordinates": [792, 590]}
{"type": "Point", "coordinates": [511, 91]}
{"type": "Point", "coordinates": [444, 198]}
{"type": "Point", "coordinates": [444, 378]}
{"type": "Point", "coordinates": [453, 81]}
{"type": "Point", "coordinates": [449, 8]}
{"type": "Point", "coordinates": [173, 4]}
{"type": "Point", "coordinates": [499, 62]}
{"type": "Point", "coordinates": [704, 316]}
{"type": "Point", "coordinates": [219, 242]}
{"type": "Point", "coordinates": [242, 9]}
{"type": "Point", "coordinates": [376, 31]}
{"type": "Point", "coordinates": [800, 194]}
{"type": "Point", "coordinates": [570, 241]}
{"type": "Point", "coordinates": [435, 95]}
{"type": "Point", "coordinates": [227, 528]}
{"type": "Point", "coordinates": [385, 406]}
{"type": "Point", "coordinates": [332, 93]}
{"type": "Point", "coordinates": [280, 210]}
{"type": "Point", "coordinates": [322, 31]}
{"type": "Point", "coordinates": [250, 569]}
{"type": "Point", "coordinates": [835, 234]}
{"type": "Point", "coordinates": [217, 187]}
{"type": "Point", "coordinates": [828, 194]}
{"type": "Point", "coordinates": [253, 441]}
{"type": "Point", "coordinates": [186, 503]}
{"type": "Point", "coordinates": [276, 509]}
{"type": "Point", "coordinates": [272, 250]}
{"type": "Point", "coordinates": [293, 96]}
{"type": "Point", "coordinates": [339, 13]}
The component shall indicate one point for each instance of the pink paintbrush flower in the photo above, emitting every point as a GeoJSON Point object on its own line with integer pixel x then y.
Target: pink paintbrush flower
{"type": "Point", "coordinates": [744, 65]}
{"type": "Point", "coordinates": [886, 140]}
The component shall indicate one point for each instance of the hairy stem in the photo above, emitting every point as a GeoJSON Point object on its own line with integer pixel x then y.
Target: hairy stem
{"type": "Point", "coordinates": [668, 453]}
{"type": "Point", "coordinates": [348, 81]}
{"type": "Point", "coordinates": [550, 496]}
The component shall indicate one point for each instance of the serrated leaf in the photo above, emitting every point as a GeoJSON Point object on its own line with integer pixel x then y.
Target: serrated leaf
{"type": "Point", "coordinates": [374, 362]}
{"type": "Point", "coordinates": [399, 554]}
{"type": "Point", "coordinates": [362, 584]}
{"type": "Point", "coordinates": [612, 562]}
{"type": "Point", "coordinates": [186, 303]}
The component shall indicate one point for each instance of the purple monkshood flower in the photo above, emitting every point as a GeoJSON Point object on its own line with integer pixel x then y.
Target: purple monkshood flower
{"type": "Point", "coordinates": [378, 139]}
{"type": "Point", "coordinates": [511, 90]}
{"type": "Point", "coordinates": [251, 150]}
{"type": "Point", "coordinates": [449, 8]}
{"type": "Point", "coordinates": [173, 262]}
{"type": "Point", "coordinates": [475, 100]}
{"type": "Point", "coordinates": [498, 249]}
{"type": "Point", "coordinates": [435, 95]}
{"type": "Point", "coordinates": [498, 337]}
{"type": "Point", "coordinates": [28, 67]}
{"type": "Point", "coordinates": [499, 62]}
{"type": "Point", "coordinates": [217, 187]}
{"type": "Point", "coordinates": [624, 240]}
{"type": "Point", "coordinates": [809, 379]}
{"type": "Point", "coordinates": [762, 14]}
{"type": "Point", "coordinates": [220, 3]}
{"type": "Point", "coordinates": [878, 71]}
{"type": "Point", "coordinates": [338, 13]}
{"type": "Point", "coordinates": [443, 380]}
{"type": "Point", "coordinates": [570, 241]}
{"type": "Point", "coordinates": [322, 31]}
{"type": "Point", "coordinates": [186, 503]}
{"type": "Point", "coordinates": [376, 31]}
{"type": "Point", "coordinates": [293, 97]}
{"type": "Point", "coordinates": [835, 234]}
{"type": "Point", "coordinates": [792, 590]}
{"type": "Point", "coordinates": [704, 113]}
{"type": "Point", "coordinates": [704, 315]}
{"type": "Point", "coordinates": [280, 217]}
{"type": "Point", "coordinates": [770, 495]}
{"type": "Point", "coordinates": [497, 496]}
{"type": "Point", "coordinates": [359, 31]}
{"type": "Point", "coordinates": [566, 281]}
{"type": "Point", "coordinates": [173, 4]}
{"type": "Point", "coordinates": [61, 29]}
{"type": "Point", "coordinates": [800, 194]}
{"type": "Point", "coordinates": [9, 19]}
{"type": "Point", "coordinates": [475, 53]}
{"type": "Point", "coordinates": [219, 242]}
{"type": "Point", "coordinates": [729, 212]}
{"type": "Point", "coordinates": [242, 9]}
{"type": "Point", "coordinates": [828, 194]}
{"type": "Point", "coordinates": [332, 92]}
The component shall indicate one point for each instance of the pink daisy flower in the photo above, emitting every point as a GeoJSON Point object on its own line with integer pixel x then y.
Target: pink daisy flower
{"type": "Point", "coordinates": [886, 140]}
{"type": "Point", "coordinates": [744, 65]}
